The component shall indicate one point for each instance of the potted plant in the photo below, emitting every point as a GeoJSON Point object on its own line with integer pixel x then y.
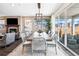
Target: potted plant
{"type": "Point", "coordinates": [48, 25]}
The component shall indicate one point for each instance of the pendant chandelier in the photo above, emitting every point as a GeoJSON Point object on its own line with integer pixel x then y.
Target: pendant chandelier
{"type": "Point", "coordinates": [38, 17]}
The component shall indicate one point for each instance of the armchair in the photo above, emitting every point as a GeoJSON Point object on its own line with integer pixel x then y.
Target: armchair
{"type": "Point", "coordinates": [7, 39]}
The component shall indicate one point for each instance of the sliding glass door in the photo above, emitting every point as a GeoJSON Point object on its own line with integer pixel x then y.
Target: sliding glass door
{"type": "Point", "coordinates": [68, 28]}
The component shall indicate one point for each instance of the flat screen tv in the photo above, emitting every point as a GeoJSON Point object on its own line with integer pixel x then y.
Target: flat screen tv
{"type": "Point", "coordinates": [12, 21]}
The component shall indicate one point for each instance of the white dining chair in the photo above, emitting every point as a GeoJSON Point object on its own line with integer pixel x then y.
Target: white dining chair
{"type": "Point", "coordinates": [25, 43]}
{"type": "Point", "coordinates": [39, 45]}
{"type": "Point", "coordinates": [45, 35]}
{"type": "Point", "coordinates": [53, 43]}
{"type": "Point", "coordinates": [35, 34]}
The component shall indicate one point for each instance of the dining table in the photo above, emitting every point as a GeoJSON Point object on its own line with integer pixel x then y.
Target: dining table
{"type": "Point", "coordinates": [36, 34]}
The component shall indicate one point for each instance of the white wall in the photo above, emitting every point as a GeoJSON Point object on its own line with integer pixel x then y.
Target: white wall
{"type": "Point", "coordinates": [53, 23]}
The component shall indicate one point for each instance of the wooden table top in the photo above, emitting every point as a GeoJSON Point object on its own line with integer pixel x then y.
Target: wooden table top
{"type": "Point", "coordinates": [31, 37]}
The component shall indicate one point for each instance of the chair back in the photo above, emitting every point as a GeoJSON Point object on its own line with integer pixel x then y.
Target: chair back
{"type": "Point", "coordinates": [38, 43]}
{"type": "Point", "coordinates": [54, 37]}
{"type": "Point", "coordinates": [45, 35]}
{"type": "Point", "coordinates": [10, 37]}
{"type": "Point", "coordinates": [35, 34]}
{"type": "Point", "coordinates": [23, 37]}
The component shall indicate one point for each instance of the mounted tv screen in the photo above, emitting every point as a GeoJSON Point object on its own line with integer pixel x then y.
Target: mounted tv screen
{"type": "Point", "coordinates": [12, 21]}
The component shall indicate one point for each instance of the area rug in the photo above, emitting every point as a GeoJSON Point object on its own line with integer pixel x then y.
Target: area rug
{"type": "Point", "coordinates": [4, 51]}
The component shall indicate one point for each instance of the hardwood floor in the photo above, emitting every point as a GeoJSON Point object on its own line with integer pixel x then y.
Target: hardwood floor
{"type": "Point", "coordinates": [28, 52]}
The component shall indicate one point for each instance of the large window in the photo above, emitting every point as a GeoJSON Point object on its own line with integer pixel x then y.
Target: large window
{"type": "Point", "coordinates": [73, 28]}
{"type": "Point", "coordinates": [61, 28]}
{"type": "Point", "coordinates": [2, 24]}
{"type": "Point", "coordinates": [73, 41]}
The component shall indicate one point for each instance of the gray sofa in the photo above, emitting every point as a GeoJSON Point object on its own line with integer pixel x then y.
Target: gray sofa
{"type": "Point", "coordinates": [7, 39]}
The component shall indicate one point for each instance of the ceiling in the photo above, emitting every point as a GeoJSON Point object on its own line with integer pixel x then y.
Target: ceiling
{"type": "Point", "coordinates": [27, 9]}
{"type": "Point", "coordinates": [73, 10]}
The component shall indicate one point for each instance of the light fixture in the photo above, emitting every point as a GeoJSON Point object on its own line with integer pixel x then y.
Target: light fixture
{"type": "Point", "coordinates": [39, 17]}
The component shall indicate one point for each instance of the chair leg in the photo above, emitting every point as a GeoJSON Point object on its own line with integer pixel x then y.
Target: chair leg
{"type": "Point", "coordinates": [32, 52]}
{"type": "Point", "coordinates": [55, 49]}
{"type": "Point", "coordinates": [45, 53]}
{"type": "Point", "coordinates": [22, 49]}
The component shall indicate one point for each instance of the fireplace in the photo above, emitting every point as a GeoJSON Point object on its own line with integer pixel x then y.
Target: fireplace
{"type": "Point", "coordinates": [12, 25]}
{"type": "Point", "coordinates": [12, 28]}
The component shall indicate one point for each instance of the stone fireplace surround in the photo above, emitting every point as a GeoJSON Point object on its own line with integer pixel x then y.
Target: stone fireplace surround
{"type": "Point", "coordinates": [12, 27]}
